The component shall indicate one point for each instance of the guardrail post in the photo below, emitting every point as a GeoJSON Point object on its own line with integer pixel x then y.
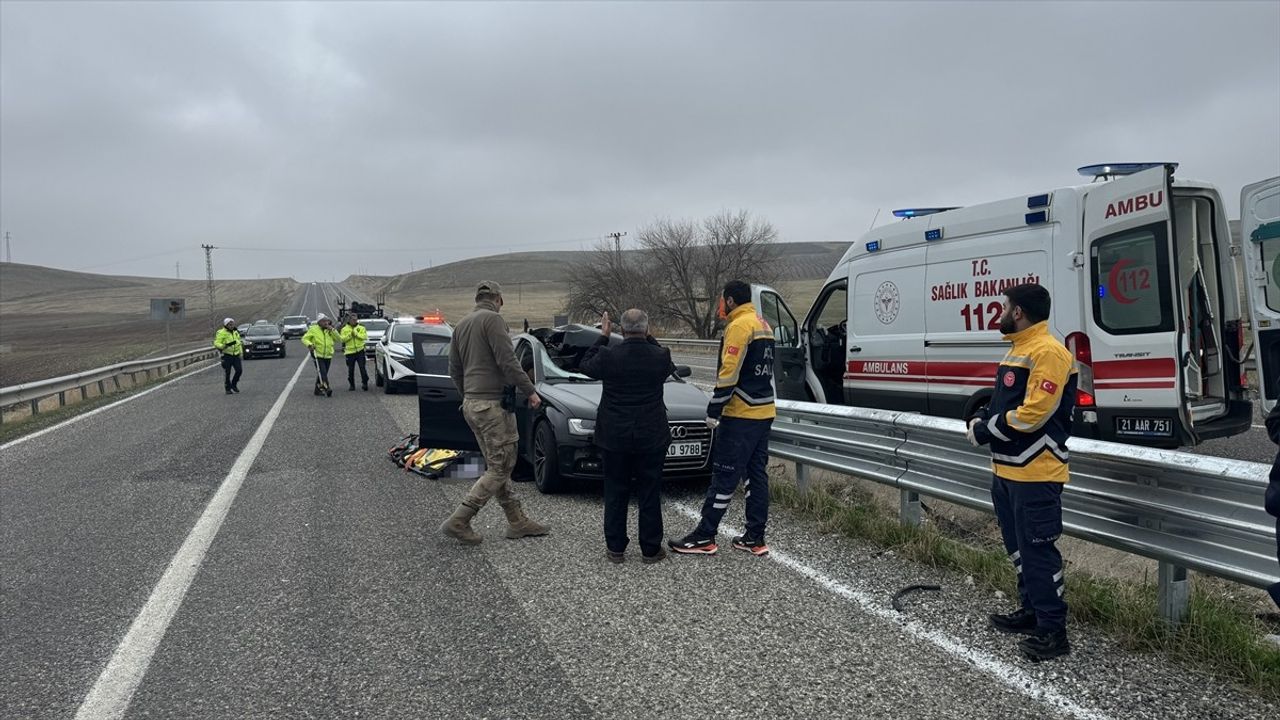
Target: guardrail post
{"type": "Point", "coordinates": [1174, 592]}
{"type": "Point", "coordinates": [84, 393]}
{"type": "Point", "coordinates": [62, 398]}
{"type": "Point", "coordinates": [35, 406]}
{"type": "Point", "coordinates": [909, 512]}
{"type": "Point", "coordinates": [102, 387]}
{"type": "Point", "coordinates": [116, 380]}
{"type": "Point", "coordinates": [802, 477]}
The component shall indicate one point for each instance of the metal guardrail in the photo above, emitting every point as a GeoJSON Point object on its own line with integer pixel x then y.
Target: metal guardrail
{"type": "Point", "coordinates": [689, 343]}
{"type": "Point", "coordinates": [34, 392]}
{"type": "Point", "coordinates": [1186, 511]}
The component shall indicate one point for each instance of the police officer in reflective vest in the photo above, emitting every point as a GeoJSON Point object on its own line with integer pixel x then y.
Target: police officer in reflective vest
{"type": "Point", "coordinates": [227, 340]}
{"type": "Point", "coordinates": [1027, 423]}
{"type": "Point", "coordinates": [353, 336]}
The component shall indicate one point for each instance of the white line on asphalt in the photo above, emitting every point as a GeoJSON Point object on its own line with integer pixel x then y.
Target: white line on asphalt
{"type": "Point", "coordinates": [1004, 672]}
{"type": "Point", "coordinates": [111, 694]}
{"type": "Point", "coordinates": [104, 408]}
{"type": "Point", "coordinates": [1259, 427]}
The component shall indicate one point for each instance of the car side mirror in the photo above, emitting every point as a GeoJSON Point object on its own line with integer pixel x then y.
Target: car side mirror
{"type": "Point", "coordinates": [683, 371]}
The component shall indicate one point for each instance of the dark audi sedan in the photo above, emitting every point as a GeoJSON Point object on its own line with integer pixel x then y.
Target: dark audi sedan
{"type": "Point", "coordinates": [260, 340]}
{"type": "Point", "coordinates": [556, 439]}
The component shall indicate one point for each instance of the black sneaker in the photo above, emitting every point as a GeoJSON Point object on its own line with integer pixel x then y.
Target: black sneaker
{"type": "Point", "coordinates": [616, 558]}
{"type": "Point", "coordinates": [228, 391]}
{"type": "Point", "coordinates": [235, 389]}
{"type": "Point", "coordinates": [751, 545]}
{"type": "Point", "coordinates": [351, 387]}
{"type": "Point", "coordinates": [365, 387]}
{"type": "Point", "coordinates": [691, 544]}
{"type": "Point", "coordinates": [1045, 645]}
{"type": "Point", "coordinates": [1020, 622]}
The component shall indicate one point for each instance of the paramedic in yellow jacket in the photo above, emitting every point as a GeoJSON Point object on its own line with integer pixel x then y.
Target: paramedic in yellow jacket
{"type": "Point", "coordinates": [1027, 424]}
{"type": "Point", "coordinates": [320, 339]}
{"type": "Point", "coordinates": [353, 336]}
{"type": "Point", "coordinates": [227, 341]}
{"type": "Point", "coordinates": [740, 415]}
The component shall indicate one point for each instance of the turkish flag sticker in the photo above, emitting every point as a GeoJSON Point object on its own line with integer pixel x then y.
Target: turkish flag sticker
{"type": "Point", "coordinates": [732, 349]}
{"type": "Point", "coordinates": [1049, 387]}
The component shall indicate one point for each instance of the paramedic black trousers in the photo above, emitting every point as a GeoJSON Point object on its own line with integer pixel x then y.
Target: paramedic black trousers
{"type": "Point", "coordinates": [740, 451]}
{"type": "Point", "coordinates": [639, 475]}
{"type": "Point", "coordinates": [1030, 516]}
{"type": "Point", "coordinates": [229, 363]}
{"type": "Point", "coordinates": [352, 362]}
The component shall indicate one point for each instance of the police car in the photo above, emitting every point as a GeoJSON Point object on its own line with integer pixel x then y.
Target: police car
{"type": "Point", "coordinates": [1144, 284]}
{"type": "Point", "coordinates": [393, 361]}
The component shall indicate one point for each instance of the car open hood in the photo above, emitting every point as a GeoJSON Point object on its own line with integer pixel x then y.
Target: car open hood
{"type": "Point", "coordinates": [581, 399]}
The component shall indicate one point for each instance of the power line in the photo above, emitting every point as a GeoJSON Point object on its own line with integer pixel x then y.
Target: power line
{"type": "Point", "coordinates": [497, 246]}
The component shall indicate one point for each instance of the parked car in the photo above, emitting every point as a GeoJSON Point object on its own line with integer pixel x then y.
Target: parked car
{"type": "Point", "coordinates": [376, 328]}
{"type": "Point", "coordinates": [556, 440]}
{"type": "Point", "coordinates": [260, 340]}
{"type": "Point", "coordinates": [393, 360]}
{"type": "Point", "coordinates": [243, 328]}
{"type": "Point", "coordinates": [294, 326]}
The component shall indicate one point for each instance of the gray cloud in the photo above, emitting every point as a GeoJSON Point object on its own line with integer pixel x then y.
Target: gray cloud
{"type": "Point", "coordinates": [456, 129]}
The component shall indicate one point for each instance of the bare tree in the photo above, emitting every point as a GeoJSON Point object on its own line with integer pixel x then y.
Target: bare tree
{"type": "Point", "coordinates": [692, 263]}
{"type": "Point", "coordinates": [679, 271]}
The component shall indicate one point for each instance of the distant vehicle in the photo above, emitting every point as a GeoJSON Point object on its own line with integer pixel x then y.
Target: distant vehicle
{"type": "Point", "coordinates": [363, 310]}
{"type": "Point", "coordinates": [393, 364]}
{"type": "Point", "coordinates": [262, 322]}
{"type": "Point", "coordinates": [243, 328]}
{"type": "Point", "coordinates": [556, 440]}
{"type": "Point", "coordinates": [262, 340]}
{"type": "Point", "coordinates": [294, 326]}
{"type": "Point", "coordinates": [376, 327]}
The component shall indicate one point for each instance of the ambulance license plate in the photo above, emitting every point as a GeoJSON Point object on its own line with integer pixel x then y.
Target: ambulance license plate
{"type": "Point", "coordinates": [686, 449]}
{"type": "Point", "coordinates": [1144, 427]}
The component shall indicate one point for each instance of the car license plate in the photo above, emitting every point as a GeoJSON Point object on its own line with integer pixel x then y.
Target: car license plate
{"type": "Point", "coordinates": [1144, 427]}
{"type": "Point", "coordinates": [685, 449]}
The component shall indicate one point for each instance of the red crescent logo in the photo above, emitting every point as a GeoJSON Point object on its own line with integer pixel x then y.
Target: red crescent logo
{"type": "Point", "coordinates": [1113, 283]}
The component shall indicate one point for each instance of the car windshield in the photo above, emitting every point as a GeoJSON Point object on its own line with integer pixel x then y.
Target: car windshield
{"type": "Point", "coordinates": [375, 325]}
{"type": "Point", "coordinates": [262, 331]}
{"type": "Point", "coordinates": [295, 320]}
{"type": "Point", "coordinates": [403, 333]}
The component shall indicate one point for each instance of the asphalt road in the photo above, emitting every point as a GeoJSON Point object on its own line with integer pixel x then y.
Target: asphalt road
{"type": "Point", "coordinates": [197, 555]}
{"type": "Point", "coordinates": [1253, 445]}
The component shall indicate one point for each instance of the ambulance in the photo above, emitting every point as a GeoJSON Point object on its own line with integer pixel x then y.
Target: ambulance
{"type": "Point", "coordinates": [1143, 276]}
{"type": "Point", "coordinates": [1260, 237]}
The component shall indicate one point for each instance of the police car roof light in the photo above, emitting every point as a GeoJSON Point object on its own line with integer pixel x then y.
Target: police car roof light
{"type": "Point", "coordinates": [1112, 170]}
{"type": "Point", "coordinates": [920, 212]}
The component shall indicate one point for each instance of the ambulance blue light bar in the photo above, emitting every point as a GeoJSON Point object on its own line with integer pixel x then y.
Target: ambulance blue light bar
{"type": "Point", "coordinates": [919, 212]}
{"type": "Point", "coordinates": [1120, 169]}
{"type": "Point", "coordinates": [1038, 201]}
{"type": "Point", "coordinates": [934, 234]}
{"type": "Point", "coordinates": [873, 246]}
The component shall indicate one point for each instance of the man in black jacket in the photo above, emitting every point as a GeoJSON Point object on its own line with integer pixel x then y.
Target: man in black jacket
{"type": "Point", "coordinates": [1272, 502]}
{"type": "Point", "coordinates": [632, 430]}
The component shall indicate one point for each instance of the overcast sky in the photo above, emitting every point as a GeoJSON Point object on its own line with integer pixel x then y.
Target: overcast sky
{"type": "Point", "coordinates": [421, 133]}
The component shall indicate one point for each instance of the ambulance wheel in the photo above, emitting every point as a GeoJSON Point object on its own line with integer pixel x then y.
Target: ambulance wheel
{"type": "Point", "coordinates": [546, 460]}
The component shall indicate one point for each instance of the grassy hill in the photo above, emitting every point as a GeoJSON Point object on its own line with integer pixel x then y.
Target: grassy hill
{"type": "Point", "coordinates": [534, 282]}
{"type": "Point", "coordinates": [54, 322]}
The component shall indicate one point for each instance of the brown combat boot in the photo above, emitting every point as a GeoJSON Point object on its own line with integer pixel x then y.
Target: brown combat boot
{"type": "Point", "coordinates": [519, 525]}
{"type": "Point", "coordinates": [459, 525]}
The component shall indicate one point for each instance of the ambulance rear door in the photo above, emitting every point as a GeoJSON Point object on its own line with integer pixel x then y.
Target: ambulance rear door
{"type": "Point", "coordinates": [1260, 235]}
{"type": "Point", "coordinates": [1135, 324]}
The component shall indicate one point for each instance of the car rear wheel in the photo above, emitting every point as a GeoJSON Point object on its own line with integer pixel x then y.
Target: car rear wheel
{"type": "Point", "coordinates": [546, 460]}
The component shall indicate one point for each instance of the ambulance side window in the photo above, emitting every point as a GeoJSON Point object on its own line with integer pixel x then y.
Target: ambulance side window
{"type": "Point", "coordinates": [1131, 281]}
{"type": "Point", "coordinates": [779, 318]}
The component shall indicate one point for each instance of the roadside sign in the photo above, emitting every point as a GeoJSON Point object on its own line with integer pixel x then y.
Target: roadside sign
{"type": "Point", "coordinates": [168, 308]}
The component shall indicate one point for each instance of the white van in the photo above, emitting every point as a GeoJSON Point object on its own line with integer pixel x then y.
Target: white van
{"type": "Point", "coordinates": [1143, 280]}
{"type": "Point", "coordinates": [1260, 235]}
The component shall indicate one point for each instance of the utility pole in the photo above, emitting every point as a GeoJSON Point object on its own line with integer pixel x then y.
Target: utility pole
{"type": "Point", "coordinates": [177, 270]}
{"type": "Point", "coordinates": [617, 241]}
{"type": "Point", "coordinates": [8, 250]}
{"type": "Point", "coordinates": [208, 272]}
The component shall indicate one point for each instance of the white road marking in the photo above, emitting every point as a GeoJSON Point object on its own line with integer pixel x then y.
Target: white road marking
{"type": "Point", "coordinates": [1002, 671]}
{"type": "Point", "coordinates": [1260, 427]}
{"type": "Point", "coordinates": [111, 694]}
{"type": "Point", "coordinates": [104, 408]}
